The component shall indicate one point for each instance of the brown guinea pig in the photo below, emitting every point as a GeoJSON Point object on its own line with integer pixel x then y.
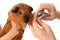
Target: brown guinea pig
{"type": "Point", "coordinates": [20, 14]}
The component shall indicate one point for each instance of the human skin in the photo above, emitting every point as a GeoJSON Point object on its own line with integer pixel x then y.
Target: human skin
{"type": "Point", "coordinates": [54, 14]}
{"type": "Point", "coordinates": [44, 33]}
{"type": "Point", "coordinates": [12, 33]}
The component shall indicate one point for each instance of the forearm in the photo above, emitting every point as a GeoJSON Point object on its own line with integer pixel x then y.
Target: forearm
{"type": "Point", "coordinates": [9, 35]}
{"type": "Point", "coordinates": [58, 15]}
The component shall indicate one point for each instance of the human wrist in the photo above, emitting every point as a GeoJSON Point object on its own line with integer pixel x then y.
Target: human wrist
{"type": "Point", "coordinates": [57, 15]}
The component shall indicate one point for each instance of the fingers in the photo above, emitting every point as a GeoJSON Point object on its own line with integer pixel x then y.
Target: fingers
{"type": "Point", "coordinates": [30, 26]}
{"type": "Point", "coordinates": [34, 26]}
{"type": "Point", "coordinates": [34, 22]}
{"type": "Point", "coordinates": [34, 15]}
{"type": "Point", "coordinates": [43, 6]}
{"type": "Point", "coordinates": [13, 24]}
{"type": "Point", "coordinates": [45, 26]}
{"type": "Point", "coordinates": [48, 18]}
{"type": "Point", "coordinates": [50, 8]}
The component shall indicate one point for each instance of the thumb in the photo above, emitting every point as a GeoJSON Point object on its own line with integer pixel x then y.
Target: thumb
{"type": "Point", "coordinates": [13, 25]}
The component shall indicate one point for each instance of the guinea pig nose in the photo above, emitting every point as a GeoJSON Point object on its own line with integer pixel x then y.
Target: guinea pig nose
{"type": "Point", "coordinates": [26, 18]}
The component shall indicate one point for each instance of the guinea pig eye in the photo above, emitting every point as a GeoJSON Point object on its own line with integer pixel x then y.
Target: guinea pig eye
{"type": "Point", "coordinates": [20, 13]}
{"type": "Point", "coordinates": [15, 10]}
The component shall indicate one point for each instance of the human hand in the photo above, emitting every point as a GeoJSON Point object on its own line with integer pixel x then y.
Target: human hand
{"type": "Point", "coordinates": [14, 26]}
{"type": "Point", "coordinates": [44, 33]}
{"type": "Point", "coordinates": [14, 29]}
{"type": "Point", "coordinates": [51, 10]}
{"type": "Point", "coordinates": [11, 34]}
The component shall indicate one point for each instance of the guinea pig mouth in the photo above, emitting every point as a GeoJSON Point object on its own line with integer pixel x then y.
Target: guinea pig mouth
{"type": "Point", "coordinates": [26, 18]}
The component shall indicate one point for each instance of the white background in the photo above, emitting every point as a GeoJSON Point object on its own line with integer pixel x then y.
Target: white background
{"type": "Point", "coordinates": [6, 5]}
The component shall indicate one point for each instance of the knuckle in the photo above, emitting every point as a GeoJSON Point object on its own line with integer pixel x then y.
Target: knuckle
{"type": "Point", "coordinates": [43, 4]}
{"type": "Point", "coordinates": [51, 4]}
{"type": "Point", "coordinates": [52, 17]}
{"type": "Point", "coordinates": [49, 28]}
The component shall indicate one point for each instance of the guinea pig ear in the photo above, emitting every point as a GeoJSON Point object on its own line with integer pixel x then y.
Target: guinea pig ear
{"type": "Point", "coordinates": [15, 10]}
{"type": "Point", "coordinates": [31, 9]}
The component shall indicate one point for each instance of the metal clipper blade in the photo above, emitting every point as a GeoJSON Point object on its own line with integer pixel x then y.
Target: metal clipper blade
{"type": "Point", "coordinates": [42, 14]}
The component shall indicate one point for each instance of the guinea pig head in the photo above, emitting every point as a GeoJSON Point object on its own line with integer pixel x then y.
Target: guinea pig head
{"type": "Point", "coordinates": [20, 14]}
